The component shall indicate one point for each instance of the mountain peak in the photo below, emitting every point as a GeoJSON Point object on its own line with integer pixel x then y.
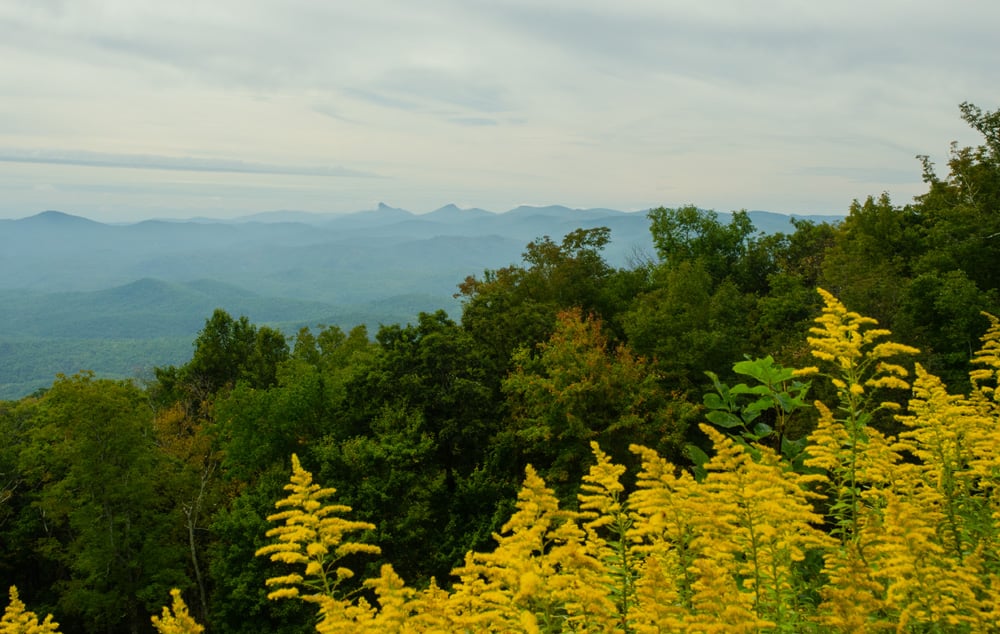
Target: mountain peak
{"type": "Point", "coordinates": [385, 209]}
{"type": "Point", "coordinates": [542, 210]}
{"type": "Point", "coordinates": [452, 212]}
{"type": "Point", "coordinates": [52, 217]}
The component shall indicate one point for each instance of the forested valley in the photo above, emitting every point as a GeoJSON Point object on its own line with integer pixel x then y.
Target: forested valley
{"type": "Point", "coordinates": [699, 442]}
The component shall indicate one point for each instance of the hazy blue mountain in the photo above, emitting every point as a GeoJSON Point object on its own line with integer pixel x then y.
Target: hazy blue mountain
{"type": "Point", "coordinates": [141, 309]}
{"type": "Point", "coordinates": [346, 258]}
{"type": "Point", "coordinates": [78, 294]}
{"type": "Point", "coordinates": [453, 214]}
{"type": "Point", "coordinates": [127, 330]}
{"type": "Point", "coordinates": [382, 215]}
{"type": "Point", "coordinates": [304, 217]}
{"type": "Point", "coordinates": [770, 222]}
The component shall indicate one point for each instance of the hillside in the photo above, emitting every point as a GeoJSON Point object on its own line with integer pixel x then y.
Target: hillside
{"type": "Point", "coordinates": [127, 330]}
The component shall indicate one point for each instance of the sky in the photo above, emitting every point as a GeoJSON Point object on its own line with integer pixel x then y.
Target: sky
{"type": "Point", "coordinates": [121, 110]}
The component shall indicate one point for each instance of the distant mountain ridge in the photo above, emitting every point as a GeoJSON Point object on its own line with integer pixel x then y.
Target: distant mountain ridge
{"type": "Point", "coordinates": [80, 294]}
{"type": "Point", "coordinates": [766, 221]}
{"type": "Point", "coordinates": [307, 256]}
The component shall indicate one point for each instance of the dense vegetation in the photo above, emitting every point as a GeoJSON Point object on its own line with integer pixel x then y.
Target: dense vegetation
{"type": "Point", "coordinates": [554, 431]}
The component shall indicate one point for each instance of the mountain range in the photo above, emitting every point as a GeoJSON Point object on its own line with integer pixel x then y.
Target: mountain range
{"type": "Point", "coordinates": [121, 298]}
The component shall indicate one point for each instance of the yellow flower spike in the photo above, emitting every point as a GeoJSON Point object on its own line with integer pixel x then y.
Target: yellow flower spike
{"type": "Point", "coordinates": [851, 598]}
{"type": "Point", "coordinates": [923, 584]}
{"type": "Point", "coordinates": [950, 436]}
{"type": "Point", "coordinates": [845, 339]}
{"type": "Point", "coordinates": [888, 381]}
{"type": "Point", "coordinates": [344, 573]}
{"type": "Point", "coordinates": [988, 355]}
{"type": "Point", "coordinates": [871, 334]}
{"type": "Point", "coordinates": [528, 622]}
{"type": "Point", "coordinates": [807, 371]}
{"type": "Point", "coordinates": [315, 549]}
{"type": "Point", "coordinates": [283, 593]}
{"type": "Point", "coordinates": [856, 456]}
{"type": "Point", "coordinates": [176, 619]}
{"type": "Point", "coordinates": [18, 620]}
{"type": "Point", "coordinates": [544, 564]}
{"type": "Point", "coordinates": [489, 597]}
{"type": "Point", "coordinates": [285, 580]}
{"type": "Point", "coordinates": [757, 522]}
{"type": "Point", "coordinates": [599, 589]}
{"type": "Point", "coordinates": [892, 368]}
{"type": "Point", "coordinates": [430, 611]}
{"type": "Point", "coordinates": [891, 349]}
{"type": "Point", "coordinates": [664, 511]}
{"type": "Point", "coordinates": [395, 601]}
{"type": "Point", "coordinates": [311, 535]}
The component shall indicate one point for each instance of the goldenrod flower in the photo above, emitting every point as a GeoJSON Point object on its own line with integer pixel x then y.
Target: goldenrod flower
{"type": "Point", "coordinates": [311, 534]}
{"type": "Point", "coordinates": [176, 619]}
{"type": "Point", "coordinates": [18, 620]}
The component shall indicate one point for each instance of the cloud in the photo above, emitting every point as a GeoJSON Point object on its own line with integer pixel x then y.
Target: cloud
{"type": "Point", "coordinates": [383, 100]}
{"type": "Point", "coordinates": [868, 175]}
{"type": "Point", "coordinates": [185, 164]}
{"type": "Point", "coordinates": [474, 121]}
{"type": "Point", "coordinates": [581, 102]}
{"type": "Point", "coordinates": [459, 89]}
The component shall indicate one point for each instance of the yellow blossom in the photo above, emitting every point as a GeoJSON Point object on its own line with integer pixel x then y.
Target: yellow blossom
{"type": "Point", "coordinates": [309, 529]}
{"type": "Point", "coordinates": [176, 619]}
{"type": "Point", "coordinates": [807, 371]}
{"type": "Point", "coordinates": [18, 620]}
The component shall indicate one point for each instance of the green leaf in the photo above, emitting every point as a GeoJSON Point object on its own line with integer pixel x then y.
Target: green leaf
{"type": "Point", "coordinates": [696, 455]}
{"type": "Point", "coordinates": [713, 401]}
{"type": "Point", "coordinates": [760, 405]}
{"type": "Point", "coordinates": [741, 389]}
{"type": "Point", "coordinates": [787, 402]}
{"type": "Point", "coordinates": [764, 370]}
{"type": "Point", "coordinates": [725, 420]}
{"type": "Point", "coordinates": [720, 387]}
{"type": "Point", "coordinates": [791, 448]}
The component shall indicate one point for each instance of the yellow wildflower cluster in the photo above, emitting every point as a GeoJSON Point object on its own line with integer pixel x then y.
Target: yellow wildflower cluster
{"type": "Point", "coordinates": [882, 533]}
{"type": "Point", "coordinates": [176, 619]}
{"type": "Point", "coordinates": [988, 356]}
{"type": "Point", "coordinates": [916, 514]}
{"type": "Point", "coordinates": [312, 534]}
{"type": "Point", "coordinates": [851, 343]}
{"type": "Point", "coordinates": [722, 555]}
{"type": "Point", "coordinates": [18, 620]}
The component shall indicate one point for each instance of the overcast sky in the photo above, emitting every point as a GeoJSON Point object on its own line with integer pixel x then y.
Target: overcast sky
{"type": "Point", "coordinates": [126, 109]}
